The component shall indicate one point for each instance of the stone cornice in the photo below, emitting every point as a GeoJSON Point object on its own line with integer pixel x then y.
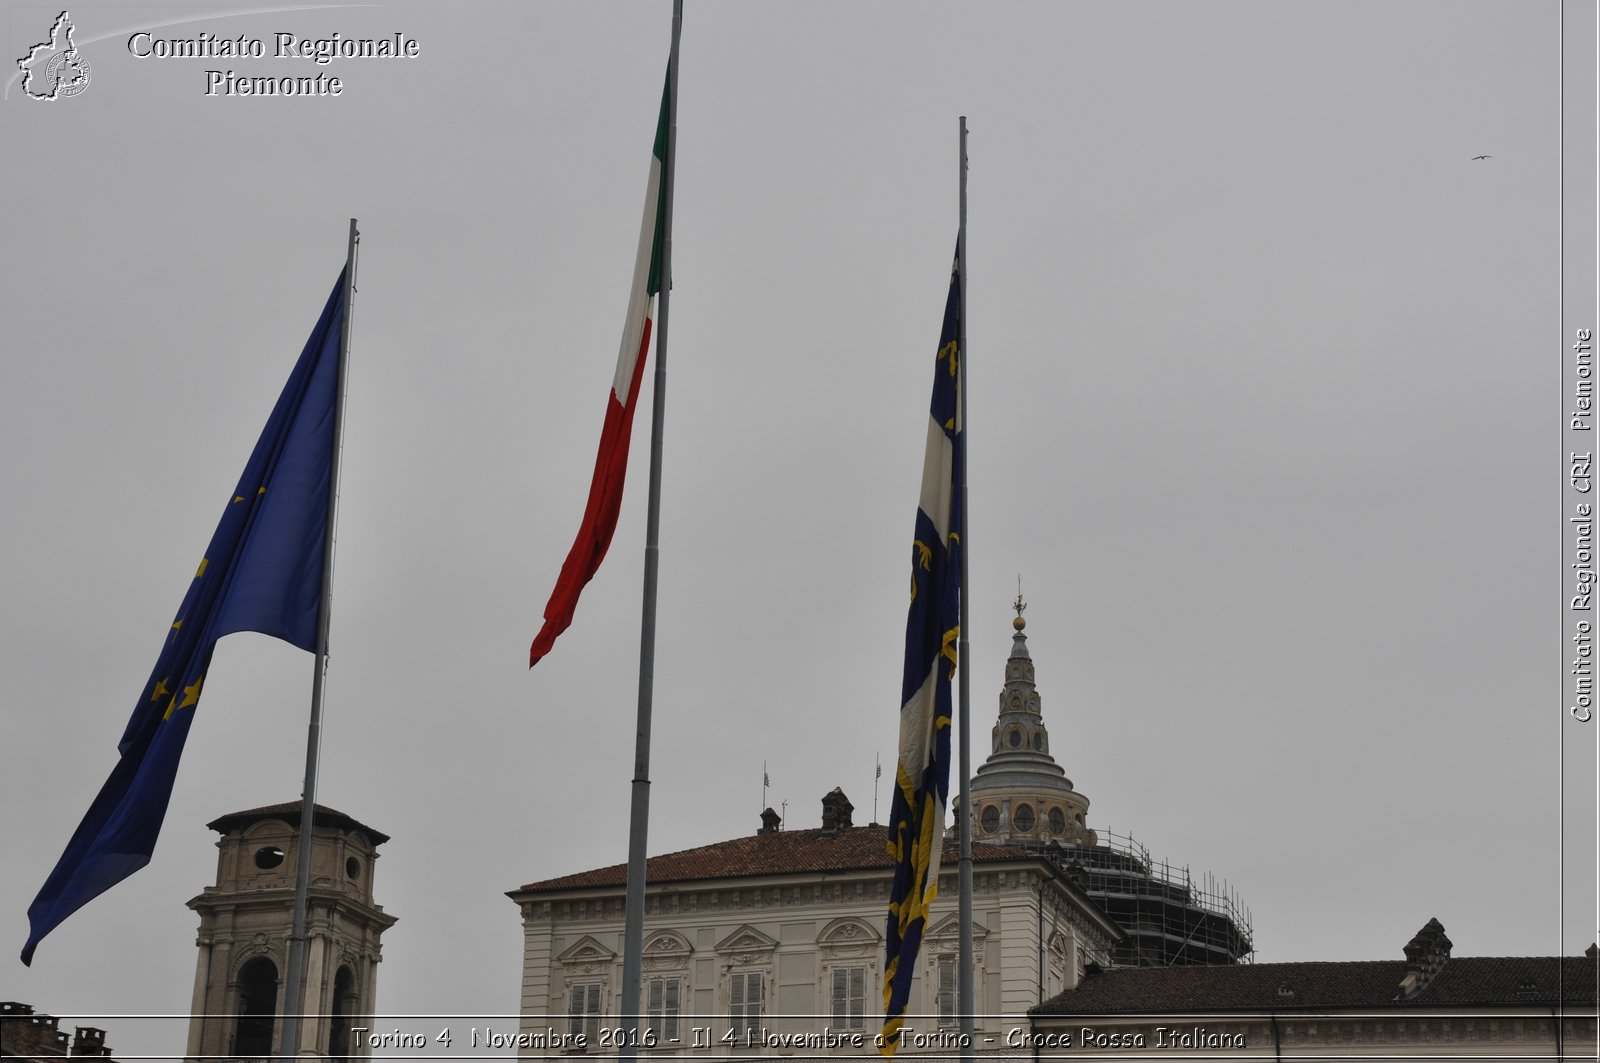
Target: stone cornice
{"type": "Point", "coordinates": [209, 904]}
{"type": "Point", "coordinates": [731, 896]}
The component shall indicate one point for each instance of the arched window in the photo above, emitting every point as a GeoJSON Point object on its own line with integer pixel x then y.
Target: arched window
{"type": "Point", "coordinates": [258, 1008]}
{"type": "Point", "coordinates": [344, 1006]}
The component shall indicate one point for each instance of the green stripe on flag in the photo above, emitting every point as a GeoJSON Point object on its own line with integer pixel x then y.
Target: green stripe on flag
{"type": "Point", "coordinates": [653, 285]}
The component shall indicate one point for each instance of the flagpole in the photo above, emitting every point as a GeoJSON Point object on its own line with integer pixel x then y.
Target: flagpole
{"type": "Point", "coordinates": [965, 996]}
{"type": "Point", "coordinates": [639, 812]}
{"type": "Point", "coordinates": [294, 981]}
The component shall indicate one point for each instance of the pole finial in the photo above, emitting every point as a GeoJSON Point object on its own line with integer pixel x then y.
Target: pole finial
{"type": "Point", "coordinates": [1020, 606]}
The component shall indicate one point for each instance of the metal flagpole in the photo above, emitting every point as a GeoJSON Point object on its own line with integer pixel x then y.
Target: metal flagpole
{"type": "Point", "coordinates": [639, 812]}
{"type": "Point", "coordinates": [965, 996]}
{"type": "Point", "coordinates": [294, 980]}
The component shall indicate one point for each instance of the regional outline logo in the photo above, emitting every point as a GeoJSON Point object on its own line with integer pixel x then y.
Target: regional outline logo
{"type": "Point", "coordinates": [66, 71]}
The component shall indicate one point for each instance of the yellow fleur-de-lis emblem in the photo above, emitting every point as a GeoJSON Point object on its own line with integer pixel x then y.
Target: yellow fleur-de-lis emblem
{"type": "Point", "coordinates": [924, 558]}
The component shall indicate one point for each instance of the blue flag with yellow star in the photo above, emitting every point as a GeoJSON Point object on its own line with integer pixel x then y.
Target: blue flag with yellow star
{"type": "Point", "coordinates": [261, 572]}
{"type": "Point", "coordinates": [933, 625]}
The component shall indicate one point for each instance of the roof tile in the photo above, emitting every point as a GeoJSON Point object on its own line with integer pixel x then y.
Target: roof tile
{"type": "Point", "coordinates": [1464, 981]}
{"type": "Point", "coordinates": [759, 855]}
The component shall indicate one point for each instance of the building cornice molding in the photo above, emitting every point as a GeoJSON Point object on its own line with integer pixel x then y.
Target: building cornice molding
{"type": "Point", "coordinates": [720, 896]}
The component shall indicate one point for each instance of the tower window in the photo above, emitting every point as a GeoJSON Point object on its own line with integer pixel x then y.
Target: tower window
{"type": "Point", "coordinates": [1058, 821]}
{"type": "Point", "coordinates": [990, 820]}
{"type": "Point", "coordinates": [1014, 739]}
{"type": "Point", "coordinates": [1038, 741]}
{"type": "Point", "coordinates": [258, 1007]}
{"type": "Point", "coordinates": [344, 1006]}
{"type": "Point", "coordinates": [1023, 818]}
{"type": "Point", "coordinates": [352, 868]}
{"type": "Point", "coordinates": [269, 857]}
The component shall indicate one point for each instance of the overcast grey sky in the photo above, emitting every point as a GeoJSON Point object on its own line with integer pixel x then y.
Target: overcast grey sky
{"type": "Point", "coordinates": [1266, 409]}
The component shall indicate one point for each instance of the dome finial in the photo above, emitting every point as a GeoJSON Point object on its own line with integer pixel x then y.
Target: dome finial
{"type": "Point", "coordinates": [1020, 606]}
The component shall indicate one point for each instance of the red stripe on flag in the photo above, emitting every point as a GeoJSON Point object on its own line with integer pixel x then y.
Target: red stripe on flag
{"type": "Point", "coordinates": [599, 515]}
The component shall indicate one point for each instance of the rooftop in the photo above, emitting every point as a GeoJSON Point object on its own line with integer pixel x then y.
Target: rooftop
{"type": "Point", "coordinates": [1469, 981]}
{"type": "Point", "coordinates": [289, 812]}
{"type": "Point", "coordinates": [815, 851]}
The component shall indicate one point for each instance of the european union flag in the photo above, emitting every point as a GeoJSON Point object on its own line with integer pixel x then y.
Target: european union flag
{"type": "Point", "coordinates": [261, 572]}
{"type": "Point", "coordinates": [922, 779]}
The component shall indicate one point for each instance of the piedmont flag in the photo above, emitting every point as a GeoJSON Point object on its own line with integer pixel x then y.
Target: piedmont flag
{"type": "Point", "coordinates": [922, 778]}
{"type": "Point", "coordinates": [611, 463]}
{"type": "Point", "coordinates": [261, 572]}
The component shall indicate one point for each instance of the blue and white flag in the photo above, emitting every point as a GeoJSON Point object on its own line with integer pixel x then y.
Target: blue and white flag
{"type": "Point", "coordinates": [922, 777]}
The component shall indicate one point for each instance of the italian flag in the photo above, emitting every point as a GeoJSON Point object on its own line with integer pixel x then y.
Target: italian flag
{"type": "Point", "coordinates": [611, 463]}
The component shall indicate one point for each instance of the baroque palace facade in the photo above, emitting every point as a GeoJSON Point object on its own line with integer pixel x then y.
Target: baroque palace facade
{"type": "Point", "coordinates": [772, 944]}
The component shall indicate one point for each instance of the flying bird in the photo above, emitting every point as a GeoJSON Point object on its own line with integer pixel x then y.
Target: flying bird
{"type": "Point", "coordinates": [1475, 158]}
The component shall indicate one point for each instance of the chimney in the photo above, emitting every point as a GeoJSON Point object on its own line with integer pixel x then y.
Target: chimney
{"type": "Point", "coordinates": [89, 1041]}
{"type": "Point", "coordinates": [24, 1032]}
{"type": "Point", "coordinates": [1426, 955]}
{"type": "Point", "coordinates": [836, 809]}
{"type": "Point", "coordinates": [771, 822]}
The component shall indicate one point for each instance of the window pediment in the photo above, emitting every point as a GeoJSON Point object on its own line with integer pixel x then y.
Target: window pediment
{"type": "Point", "coordinates": [946, 934]}
{"type": "Point", "coordinates": [849, 937]}
{"type": "Point", "coordinates": [586, 952]}
{"type": "Point", "coordinates": [746, 946]}
{"type": "Point", "coordinates": [666, 950]}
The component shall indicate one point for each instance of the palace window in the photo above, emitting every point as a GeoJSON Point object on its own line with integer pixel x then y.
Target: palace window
{"type": "Point", "coordinates": [662, 1001]}
{"type": "Point", "coordinates": [945, 990]}
{"type": "Point", "coordinates": [583, 1010]}
{"type": "Point", "coordinates": [849, 998]}
{"type": "Point", "coordinates": [744, 1002]}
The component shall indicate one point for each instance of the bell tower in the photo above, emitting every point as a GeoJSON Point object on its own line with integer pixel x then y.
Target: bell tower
{"type": "Point", "coordinates": [245, 923]}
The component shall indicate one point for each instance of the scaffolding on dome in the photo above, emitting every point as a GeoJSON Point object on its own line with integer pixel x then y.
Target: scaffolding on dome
{"type": "Point", "coordinates": [1171, 918]}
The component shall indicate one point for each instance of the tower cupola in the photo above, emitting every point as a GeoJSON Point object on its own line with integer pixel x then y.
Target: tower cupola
{"type": "Point", "coordinates": [1020, 793]}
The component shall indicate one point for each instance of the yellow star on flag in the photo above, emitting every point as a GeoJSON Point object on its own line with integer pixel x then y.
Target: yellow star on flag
{"type": "Point", "coordinates": [191, 694]}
